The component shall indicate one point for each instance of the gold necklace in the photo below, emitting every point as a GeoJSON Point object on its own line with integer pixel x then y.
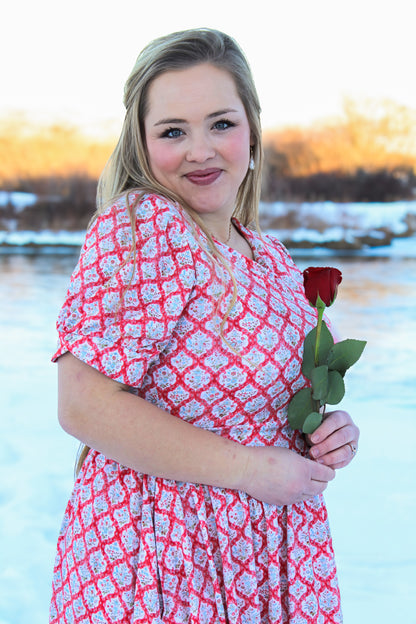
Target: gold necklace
{"type": "Point", "coordinates": [230, 231]}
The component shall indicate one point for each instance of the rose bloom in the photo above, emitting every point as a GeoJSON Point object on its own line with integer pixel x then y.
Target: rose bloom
{"type": "Point", "coordinates": [321, 282]}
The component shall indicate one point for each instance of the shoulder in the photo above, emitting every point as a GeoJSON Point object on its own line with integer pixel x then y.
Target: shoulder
{"type": "Point", "coordinates": [136, 218]}
{"type": "Point", "coordinates": [276, 248]}
{"type": "Point", "coordinates": [149, 212]}
{"type": "Point", "coordinates": [135, 240]}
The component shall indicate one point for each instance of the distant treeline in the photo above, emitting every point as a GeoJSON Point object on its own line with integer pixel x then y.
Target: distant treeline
{"type": "Point", "coordinates": [337, 186]}
{"type": "Point", "coordinates": [70, 206]}
{"type": "Point", "coordinates": [368, 154]}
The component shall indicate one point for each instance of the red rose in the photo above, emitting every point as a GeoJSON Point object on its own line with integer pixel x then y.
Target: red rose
{"type": "Point", "coordinates": [321, 282]}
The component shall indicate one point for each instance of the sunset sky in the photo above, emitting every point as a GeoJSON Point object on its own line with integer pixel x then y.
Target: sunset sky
{"type": "Point", "coordinates": [69, 61]}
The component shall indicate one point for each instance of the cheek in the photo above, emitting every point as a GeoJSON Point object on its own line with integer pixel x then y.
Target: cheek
{"type": "Point", "coordinates": [237, 149]}
{"type": "Point", "coordinates": [163, 160]}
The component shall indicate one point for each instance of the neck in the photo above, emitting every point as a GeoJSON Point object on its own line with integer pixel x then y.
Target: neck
{"type": "Point", "coordinates": [225, 237]}
{"type": "Point", "coordinates": [222, 230]}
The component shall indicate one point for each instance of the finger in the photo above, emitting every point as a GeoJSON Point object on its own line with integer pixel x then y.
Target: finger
{"type": "Point", "coordinates": [321, 473]}
{"type": "Point", "coordinates": [340, 464]}
{"type": "Point", "coordinates": [336, 440]}
{"type": "Point", "coordinates": [314, 488]}
{"type": "Point", "coordinates": [339, 457]}
{"type": "Point", "coordinates": [332, 422]}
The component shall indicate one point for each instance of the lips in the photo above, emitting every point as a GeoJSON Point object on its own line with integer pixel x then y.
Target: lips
{"type": "Point", "coordinates": [203, 177]}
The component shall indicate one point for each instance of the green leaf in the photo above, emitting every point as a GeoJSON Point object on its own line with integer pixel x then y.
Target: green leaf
{"type": "Point", "coordinates": [308, 363]}
{"type": "Point", "coordinates": [325, 344]}
{"type": "Point", "coordinates": [312, 422]}
{"type": "Point", "coordinates": [336, 388]}
{"type": "Point", "coordinates": [344, 354]}
{"type": "Point", "coordinates": [319, 379]}
{"type": "Point", "coordinates": [299, 407]}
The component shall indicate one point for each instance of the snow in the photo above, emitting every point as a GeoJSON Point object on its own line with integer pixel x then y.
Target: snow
{"type": "Point", "coordinates": [372, 503]}
{"type": "Point", "coordinates": [43, 238]}
{"type": "Point", "coordinates": [367, 216]}
{"type": "Point", "coordinates": [19, 200]}
{"type": "Point", "coordinates": [399, 248]}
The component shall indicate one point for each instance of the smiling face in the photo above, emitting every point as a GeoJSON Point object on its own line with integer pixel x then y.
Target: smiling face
{"type": "Point", "coordinates": [198, 138]}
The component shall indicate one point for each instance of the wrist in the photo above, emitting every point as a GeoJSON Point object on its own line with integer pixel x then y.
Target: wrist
{"type": "Point", "coordinates": [241, 469]}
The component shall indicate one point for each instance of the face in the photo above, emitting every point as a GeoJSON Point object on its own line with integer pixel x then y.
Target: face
{"type": "Point", "coordinates": [198, 138]}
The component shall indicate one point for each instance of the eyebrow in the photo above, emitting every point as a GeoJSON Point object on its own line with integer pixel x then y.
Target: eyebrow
{"type": "Point", "coordinates": [175, 120]}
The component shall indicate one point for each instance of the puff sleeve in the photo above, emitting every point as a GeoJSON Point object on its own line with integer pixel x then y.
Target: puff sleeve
{"type": "Point", "coordinates": [121, 309]}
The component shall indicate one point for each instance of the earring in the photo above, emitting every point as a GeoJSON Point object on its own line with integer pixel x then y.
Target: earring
{"type": "Point", "coordinates": [251, 164]}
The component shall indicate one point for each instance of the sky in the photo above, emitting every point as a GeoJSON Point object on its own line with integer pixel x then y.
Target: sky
{"type": "Point", "coordinates": [69, 61]}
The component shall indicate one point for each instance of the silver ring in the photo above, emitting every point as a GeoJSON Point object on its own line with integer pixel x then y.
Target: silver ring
{"type": "Point", "coordinates": [353, 448]}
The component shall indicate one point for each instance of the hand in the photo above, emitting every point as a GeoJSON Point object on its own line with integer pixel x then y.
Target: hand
{"type": "Point", "coordinates": [279, 476]}
{"type": "Point", "coordinates": [334, 441]}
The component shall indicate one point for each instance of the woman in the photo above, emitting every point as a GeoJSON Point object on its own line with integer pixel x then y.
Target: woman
{"type": "Point", "coordinates": [180, 344]}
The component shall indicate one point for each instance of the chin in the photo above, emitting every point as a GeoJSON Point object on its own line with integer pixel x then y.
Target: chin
{"type": "Point", "coordinates": [211, 205]}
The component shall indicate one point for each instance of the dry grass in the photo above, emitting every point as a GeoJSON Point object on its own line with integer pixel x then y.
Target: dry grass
{"type": "Point", "coordinates": [371, 135]}
{"type": "Point", "coordinates": [30, 152]}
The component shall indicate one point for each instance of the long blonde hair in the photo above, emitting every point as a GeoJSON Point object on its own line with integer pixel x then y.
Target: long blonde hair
{"type": "Point", "coordinates": [128, 167]}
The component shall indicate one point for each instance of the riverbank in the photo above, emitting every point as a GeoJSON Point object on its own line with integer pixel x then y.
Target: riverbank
{"type": "Point", "coordinates": [349, 228]}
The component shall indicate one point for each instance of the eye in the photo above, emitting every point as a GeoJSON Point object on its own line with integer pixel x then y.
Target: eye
{"type": "Point", "coordinates": [172, 133]}
{"type": "Point", "coordinates": [223, 124]}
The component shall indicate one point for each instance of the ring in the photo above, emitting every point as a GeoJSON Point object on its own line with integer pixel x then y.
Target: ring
{"type": "Point", "coordinates": [353, 448]}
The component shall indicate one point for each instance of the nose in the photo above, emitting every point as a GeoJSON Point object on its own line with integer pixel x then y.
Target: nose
{"type": "Point", "coordinates": [199, 148]}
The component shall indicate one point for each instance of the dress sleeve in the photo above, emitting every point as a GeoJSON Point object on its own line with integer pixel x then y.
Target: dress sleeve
{"type": "Point", "coordinates": [121, 308]}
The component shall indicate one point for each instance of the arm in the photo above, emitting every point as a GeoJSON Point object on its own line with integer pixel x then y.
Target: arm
{"type": "Point", "coordinates": [103, 414]}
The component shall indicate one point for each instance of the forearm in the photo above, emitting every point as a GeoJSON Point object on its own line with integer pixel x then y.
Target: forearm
{"type": "Point", "coordinates": [124, 427]}
{"type": "Point", "coordinates": [104, 415]}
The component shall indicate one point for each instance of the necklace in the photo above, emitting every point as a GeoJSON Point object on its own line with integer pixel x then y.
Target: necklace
{"type": "Point", "coordinates": [227, 240]}
{"type": "Point", "coordinates": [230, 231]}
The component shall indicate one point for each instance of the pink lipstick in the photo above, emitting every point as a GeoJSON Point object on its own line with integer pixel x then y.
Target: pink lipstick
{"type": "Point", "coordinates": [203, 177]}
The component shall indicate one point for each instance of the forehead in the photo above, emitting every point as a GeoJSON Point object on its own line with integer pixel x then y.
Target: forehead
{"type": "Point", "coordinates": [197, 89]}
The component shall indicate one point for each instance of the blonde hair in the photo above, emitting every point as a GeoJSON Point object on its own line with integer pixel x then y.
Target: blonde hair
{"type": "Point", "coordinates": [128, 167]}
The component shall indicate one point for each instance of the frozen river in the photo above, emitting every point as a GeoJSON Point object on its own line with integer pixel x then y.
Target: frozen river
{"type": "Point", "coordinates": [372, 503]}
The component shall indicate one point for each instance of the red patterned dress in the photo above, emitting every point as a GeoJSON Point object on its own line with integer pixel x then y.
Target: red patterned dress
{"type": "Point", "coordinates": [135, 549]}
